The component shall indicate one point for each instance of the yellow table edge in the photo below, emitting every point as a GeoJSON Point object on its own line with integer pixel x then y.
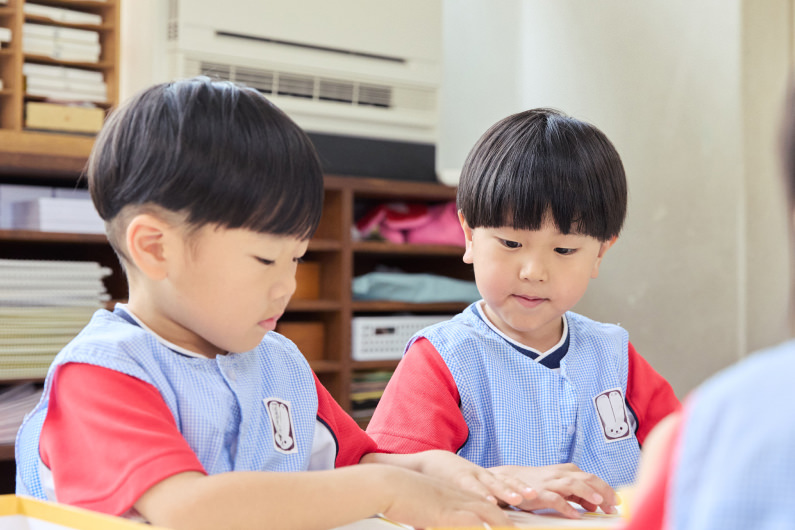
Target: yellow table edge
{"type": "Point", "coordinates": [68, 516]}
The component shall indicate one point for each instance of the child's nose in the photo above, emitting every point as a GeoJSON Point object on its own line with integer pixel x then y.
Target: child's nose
{"type": "Point", "coordinates": [534, 270]}
{"type": "Point", "coordinates": [285, 286]}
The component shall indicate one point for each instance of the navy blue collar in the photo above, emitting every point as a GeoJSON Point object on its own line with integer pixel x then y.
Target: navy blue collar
{"type": "Point", "coordinates": [551, 360]}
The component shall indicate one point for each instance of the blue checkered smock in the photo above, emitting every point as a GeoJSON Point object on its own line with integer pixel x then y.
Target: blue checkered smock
{"type": "Point", "coordinates": [222, 406]}
{"type": "Point", "coordinates": [736, 468]}
{"type": "Point", "coordinates": [522, 413]}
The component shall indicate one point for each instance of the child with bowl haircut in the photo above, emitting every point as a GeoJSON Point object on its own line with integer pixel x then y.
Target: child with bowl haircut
{"type": "Point", "coordinates": [518, 381]}
{"type": "Point", "coordinates": [183, 406]}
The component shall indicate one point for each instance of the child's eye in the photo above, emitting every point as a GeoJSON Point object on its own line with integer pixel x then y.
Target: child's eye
{"type": "Point", "coordinates": [565, 251]}
{"type": "Point", "coordinates": [264, 261]}
{"type": "Point", "coordinates": [510, 244]}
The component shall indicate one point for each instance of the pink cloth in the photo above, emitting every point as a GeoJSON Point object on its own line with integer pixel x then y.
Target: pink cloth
{"type": "Point", "coordinates": [413, 223]}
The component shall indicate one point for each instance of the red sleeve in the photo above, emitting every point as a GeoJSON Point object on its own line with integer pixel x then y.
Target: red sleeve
{"type": "Point", "coordinates": [649, 511]}
{"type": "Point", "coordinates": [109, 437]}
{"type": "Point", "coordinates": [420, 406]}
{"type": "Point", "coordinates": [352, 442]}
{"type": "Point", "coordinates": [649, 395]}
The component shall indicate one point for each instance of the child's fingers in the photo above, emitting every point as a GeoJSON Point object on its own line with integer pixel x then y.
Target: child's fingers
{"type": "Point", "coordinates": [553, 501]}
{"type": "Point", "coordinates": [589, 488]}
{"type": "Point", "coordinates": [509, 490]}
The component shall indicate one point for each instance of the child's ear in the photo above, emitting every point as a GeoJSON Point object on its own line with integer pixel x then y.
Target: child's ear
{"type": "Point", "coordinates": [467, 237]}
{"type": "Point", "coordinates": [602, 250]}
{"type": "Point", "coordinates": [147, 240]}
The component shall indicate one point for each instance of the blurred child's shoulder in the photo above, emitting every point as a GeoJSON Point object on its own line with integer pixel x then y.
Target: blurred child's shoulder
{"type": "Point", "coordinates": [763, 376]}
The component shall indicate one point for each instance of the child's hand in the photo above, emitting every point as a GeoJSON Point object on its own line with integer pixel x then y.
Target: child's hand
{"type": "Point", "coordinates": [422, 501]}
{"type": "Point", "coordinates": [557, 484]}
{"type": "Point", "coordinates": [498, 488]}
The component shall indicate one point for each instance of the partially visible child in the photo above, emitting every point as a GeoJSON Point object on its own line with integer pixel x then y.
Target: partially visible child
{"type": "Point", "coordinates": [517, 379]}
{"type": "Point", "coordinates": [183, 406]}
{"type": "Point", "coordinates": [726, 462]}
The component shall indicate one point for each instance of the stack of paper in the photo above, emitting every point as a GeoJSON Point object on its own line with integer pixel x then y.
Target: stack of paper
{"type": "Point", "coordinates": [5, 35]}
{"type": "Point", "coordinates": [57, 214]}
{"type": "Point", "coordinates": [64, 83]}
{"type": "Point", "coordinates": [59, 14]}
{"type": "Point", "coordinates": [366, 389]}
{"type": "Point", "coordinates": [43, 305]}
{"type": "Point", "coordinates": [65, 44]}
{"type": "Point", "coordinates": [15, 402]}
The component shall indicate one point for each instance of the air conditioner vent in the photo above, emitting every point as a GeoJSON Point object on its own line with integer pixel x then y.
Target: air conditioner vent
{"type": "Point", "coordinates": [298, 86]}
{"type": "Point", "coordinates": [377, 96]}
{"type": "Point", "coordinates": [340, 91]}
{"type": "Point", "coordinates": [217, 71]}
{"type": "Point", "coordinates": [261, 80]}
{"type": "Point", "coordinates": [304, 86]}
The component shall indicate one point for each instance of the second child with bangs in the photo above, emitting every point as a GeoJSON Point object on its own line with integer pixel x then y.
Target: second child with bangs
{"type": "Point", "coordinates": [518, 382]}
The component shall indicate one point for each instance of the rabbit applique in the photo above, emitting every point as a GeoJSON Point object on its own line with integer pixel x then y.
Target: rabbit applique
{"type": "Point", "coordinates": [282, 426]}
{"type": "Point", "coordinates": [612, 414]}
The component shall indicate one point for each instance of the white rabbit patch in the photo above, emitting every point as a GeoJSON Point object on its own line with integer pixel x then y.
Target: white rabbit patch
{"type": "Point", "coordinates": [282, 425]}
{"type": "Point", "coordinates": [612, 413]}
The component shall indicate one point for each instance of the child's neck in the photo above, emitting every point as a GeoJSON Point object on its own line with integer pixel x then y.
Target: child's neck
{"type": "Point", "coordinates": [540, 345]}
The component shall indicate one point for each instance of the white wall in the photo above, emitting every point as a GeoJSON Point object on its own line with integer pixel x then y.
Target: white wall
{"type": "Point", "coordinates": [481, 79]}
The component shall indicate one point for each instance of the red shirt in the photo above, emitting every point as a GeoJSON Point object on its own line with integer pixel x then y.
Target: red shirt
{"type": "Point", "coordinates": [420, 408]}
{"type": "Point", "coordinates": [109, 437]}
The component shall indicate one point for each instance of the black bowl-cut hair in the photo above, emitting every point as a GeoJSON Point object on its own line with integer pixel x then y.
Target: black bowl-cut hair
{"type": "Point", "coordinates": [541, 163]}
{"type": "Point", "coordinates": [217, 152]}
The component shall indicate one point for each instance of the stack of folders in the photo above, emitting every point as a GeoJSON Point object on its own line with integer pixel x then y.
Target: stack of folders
{"type": "Point", "coordinates": [57, 214]}
{"type": "Point", "coordinates": [64, 83]}
{"type": "Point", "coordinates": [59, 14]}
{"type": "Point", "coordinates": [15, 402]}
{"type": "Point", "coordinates": [43, 305]}
{"type": "Point", "coordinates": [366, 389]}
{"type": "Point", "coordinates": [64, 44]}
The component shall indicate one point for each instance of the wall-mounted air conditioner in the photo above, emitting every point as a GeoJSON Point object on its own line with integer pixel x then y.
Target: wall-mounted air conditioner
{"type": "Point", "coordinates": [364, 72]}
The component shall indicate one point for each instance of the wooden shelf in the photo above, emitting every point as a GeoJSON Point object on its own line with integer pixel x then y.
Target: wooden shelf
{"type": "Point", "coordinates": [50, 22]}
{"type": "Point", "coordinates": [322, 367]}
{"type": "Point", "coordinates": [374, 365]}
{"type": "Point", "coordinates": [34, 236]}
{"type": "Point", "coordinates": [387, 306]}
{"type": "Point", "coordinates": [392, 189]}
{"type": "Point", "coordinates": [6, 452]}
{"type": "Point", "coordinates": [313, 305]}
{"type": "Point", "coordinates": [398, 249]}
{"type": "Point", "coordinates": [43, 59]}
{"type": "Point", "coordinates": [324, 245]}
{"type": "Point", "coordinates": [85, 5]}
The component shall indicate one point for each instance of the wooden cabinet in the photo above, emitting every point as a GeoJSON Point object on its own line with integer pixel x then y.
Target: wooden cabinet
{"type": "Point", "coordinates": [24, 150]}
